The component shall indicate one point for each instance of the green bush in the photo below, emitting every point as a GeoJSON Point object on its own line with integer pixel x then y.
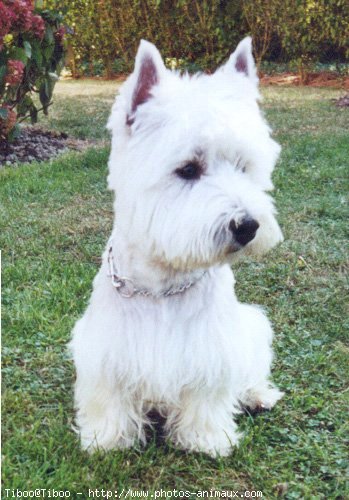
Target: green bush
{"type": "Point", "coordinates": [196, 32]}
{"type": "Point", "coordinates": [309, 29]}
{"type": "Point", "coordinates": [31, 57]}
{"type": "Point", "coordinates": [202, 33]}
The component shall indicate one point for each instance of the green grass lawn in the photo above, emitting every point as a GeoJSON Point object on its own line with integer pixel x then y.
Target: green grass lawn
{"type": "Point", "coordinates": [55, 218]}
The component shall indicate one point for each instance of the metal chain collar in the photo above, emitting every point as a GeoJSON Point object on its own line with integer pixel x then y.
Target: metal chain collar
{"type": "Point", "coordinates": [127, 289]}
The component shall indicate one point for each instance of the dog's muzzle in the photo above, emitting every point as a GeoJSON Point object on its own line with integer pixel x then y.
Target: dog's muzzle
{"type": "Point", "coordinates": [244, 231]}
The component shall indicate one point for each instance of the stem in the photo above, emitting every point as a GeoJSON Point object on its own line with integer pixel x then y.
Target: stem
{"type": "Point", "coordinates": [27, 116]}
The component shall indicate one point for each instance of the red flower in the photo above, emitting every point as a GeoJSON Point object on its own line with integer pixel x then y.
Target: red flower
{"type": "Point", "coordinates": [15, 70]}
{"type": "Point", "coordinates": [38, 26]}
{"type": "Point", "coordinates": [22, 11]}
{"type": "Point", "coordinates": [6, 18]}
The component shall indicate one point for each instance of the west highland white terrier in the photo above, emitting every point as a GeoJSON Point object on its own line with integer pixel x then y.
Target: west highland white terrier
{"type": "Point", "coordinates": [190, 164]}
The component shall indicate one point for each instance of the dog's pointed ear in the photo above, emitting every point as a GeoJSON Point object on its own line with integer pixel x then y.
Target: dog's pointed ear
{"type": "Point", "coordinates": [149, 68]}
{"type": "Point", "coordinates": [241, 60]}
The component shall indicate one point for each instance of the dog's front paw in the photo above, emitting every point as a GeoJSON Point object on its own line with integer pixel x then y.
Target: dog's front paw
{"type": "Point", "coordinates": [261, 399]}
{"type": "Point", "coordinates": [105, 432]}
{"type": "Point", "coordinates": [93, 440]}
{"type": "Point", "coordinates": [215, 443]}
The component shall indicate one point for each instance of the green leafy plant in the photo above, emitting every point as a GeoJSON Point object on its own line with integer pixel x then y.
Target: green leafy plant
{"type": "Point", "coordinates": [31, 58]}
{"type": "Point", "coordinates": [308, 29]}
{"type": "Point", "coordinates": [202, 33]}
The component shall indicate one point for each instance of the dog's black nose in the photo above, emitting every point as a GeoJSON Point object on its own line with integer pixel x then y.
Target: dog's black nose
{"type": "Point", "coordinates": [244, 231]}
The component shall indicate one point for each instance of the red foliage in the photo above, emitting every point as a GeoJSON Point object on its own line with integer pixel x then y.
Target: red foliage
{"type": "Point", "coordinates": [15, 70]}
{"type": "Point", "coordinates": [38, 26]}
{"type": "Point", "coordinates": [6, 18]}
{"type": "Point", "coordinates": [17, 16]}
{"type": "Point", "coordinates": [23, 12]}
{"type": "Point", "coordinates": [29, 61]}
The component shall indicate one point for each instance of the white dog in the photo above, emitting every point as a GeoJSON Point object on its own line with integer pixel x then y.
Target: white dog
{"type": "Point", "coordinates": [190, 165]}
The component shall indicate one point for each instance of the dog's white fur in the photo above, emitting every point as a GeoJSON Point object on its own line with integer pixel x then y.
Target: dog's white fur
{"type": "Point", "coordinates": [198, 355]}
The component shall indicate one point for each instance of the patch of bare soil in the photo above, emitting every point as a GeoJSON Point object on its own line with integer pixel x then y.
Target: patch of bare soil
{"type": "Point", "coordinates": [36, 144]}
{"type": "Point", "coordinates": [323, 79]}
{"type": "Point", "coordinates": [342, 102]}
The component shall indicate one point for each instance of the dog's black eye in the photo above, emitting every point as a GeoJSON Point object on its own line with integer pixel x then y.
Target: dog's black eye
{"type": "Point", "coordinates": [191, 171]}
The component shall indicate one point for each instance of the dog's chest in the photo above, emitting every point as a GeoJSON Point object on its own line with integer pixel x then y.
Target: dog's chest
{"type": "Point", "coordinates": [168, 347]}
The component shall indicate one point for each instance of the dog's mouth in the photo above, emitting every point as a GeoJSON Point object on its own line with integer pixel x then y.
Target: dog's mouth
{"type": "Point", "coordinates": [233, 248]}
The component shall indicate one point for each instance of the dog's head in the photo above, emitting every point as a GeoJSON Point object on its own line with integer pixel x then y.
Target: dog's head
{"type": "Point", "coordinates": [191, 162]}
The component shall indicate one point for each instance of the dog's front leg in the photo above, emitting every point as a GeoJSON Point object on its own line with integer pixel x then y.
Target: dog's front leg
{"type": "Point", "coordinates": [106, 418]}
{"type": "Point", "coordinates": [203, 422]}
